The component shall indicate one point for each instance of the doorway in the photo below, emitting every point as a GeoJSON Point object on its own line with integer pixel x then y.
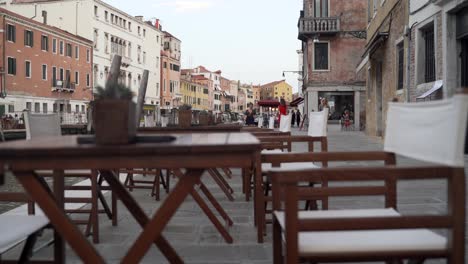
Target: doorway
{"type": "Point", "coordinates": [379, 100]}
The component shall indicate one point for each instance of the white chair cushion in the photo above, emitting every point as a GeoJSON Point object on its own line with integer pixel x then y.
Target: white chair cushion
{"type": "Point", "coordinates": [288, 166]}
{"type": "Point", "coordinates": [329, 242]}
{"type": "Point", "coordinates": [272, 151]}
{"type": "Point", "coordinates": [16, 228]}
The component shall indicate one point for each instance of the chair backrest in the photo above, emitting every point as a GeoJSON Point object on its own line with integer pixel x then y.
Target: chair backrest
{"type": "Point", "coordinates": [285, 123]}
{"type": "Point", "coordinates": [41, 125]}
{"type": "Point", "coordinates": [429, 131]}
{"type": "Point", "coordinates": [271, 122]}
{"type": "Point", "coordinates": [149, 121]}
{"type": "Point", "coordinates": [318, 123]}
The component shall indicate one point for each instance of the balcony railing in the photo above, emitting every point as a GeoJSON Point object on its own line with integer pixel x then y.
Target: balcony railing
{"type": "Point", "coordinates": [59, 85]}
{"type": "Point", "coordinates": [126, 61]}
{"type": "Point", "coordinates": [318, 25]}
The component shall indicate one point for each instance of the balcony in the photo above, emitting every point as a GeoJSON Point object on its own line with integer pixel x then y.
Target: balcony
{"type": "Point", "coordinates": [63, 86]}
{"type": "Point", "coordinates": [318, 25]}
{"type": "Point", "coordinates": [126, 61]}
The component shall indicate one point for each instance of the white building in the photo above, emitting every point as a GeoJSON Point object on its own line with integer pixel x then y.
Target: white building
{"type": "Point", "coordinates": [234, 92]}
{"type": "Point", "coordinates": [113, 32]}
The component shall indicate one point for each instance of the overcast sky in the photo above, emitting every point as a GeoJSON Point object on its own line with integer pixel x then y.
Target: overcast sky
{"type": "Point", "coordinates": [248, 40]}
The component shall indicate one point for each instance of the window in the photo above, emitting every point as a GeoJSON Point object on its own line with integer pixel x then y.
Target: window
{"type": "Point", "coordinates": [464, 63]}
{"type": "Point", "coordinates": [88, 80]}
{"type": "Point", "coordinates": [54, 76]}
{"type": "Point", "coordinates": [144, 32]}
{"type": "Point", "coordinates": [28, 106]}
{"type": "Point", "coordinates": [44, 72]}
{"type": "Point", "coordinates": [106, 15]}
{"type": "Point", "coordinates": [11, 66]}
{"type": "Point", "coordinates": [69, 50]}
{"type": "Point", "coordinates": [112, 18]}
{"type": "Point", "coordinates": [77, 108]}
{"type": "Point", "coordinates": [82, 108]}
{"type": "Point", "coordinates": [44, 108]}
{"type": "Point", "coordinates": [144, 57]}
{"type": "Point", "coordinates": [11, 33]}
{"type": "Point", "coordinates": [321, 8]}
{"type": "Point", "coordinates": [96, 11]}
{"type": "Point", "coordinates": [45, 43]}
{"type": "Point", "coordinates": [130, 26]}
{"type": "Point", "coordinates": [61, 48]}
{"type": "Point", "coordinates": [139, 33]}
{"type": "Point", "coordinates": [77, 78]}
{"type": "Point", "coordinates": [54, 46]}
{"type": "Point", "coordinates": [27, 69]}
{"type": "Point", "coordinates": [96, 38]}
{"type": "Point", "coordinates": [37, 107]}
{"type": "Point", "coordinates": [28, 38]}
{"type": "Point", "coordinates": [61, 74]}
{"type": "Point", "coordinates": [77, 52]}
{"type": "Point", "coordinates": [401, 64]}
{"type": "Point", "coordinates": [429, 53]}
{"type": "Point", "coordinates": [88, 55]}
{"type": "Point", "coordinates": [321, 56]}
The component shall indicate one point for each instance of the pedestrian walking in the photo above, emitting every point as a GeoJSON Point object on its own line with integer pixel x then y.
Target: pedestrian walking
{"type": "Point", "coordinates": [293, 118]}
{"type": "Point", "coordinates": [298, 118]}
{"type": "Point", "coordinates": [282, 108]}
{"type": "Point", "coordinates": [249, 116]}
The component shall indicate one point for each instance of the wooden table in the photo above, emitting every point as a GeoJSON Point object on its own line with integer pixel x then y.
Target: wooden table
{"type": "Point", "coordinates": [193, 152]}
{"type": "Point", "coordinates": [192, 129]}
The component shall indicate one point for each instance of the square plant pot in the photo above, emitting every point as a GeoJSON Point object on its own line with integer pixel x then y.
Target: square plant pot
{"type": "Point", "coordinates": [114, 121]}
{"type": "Point", "coordinates": [185, 118]}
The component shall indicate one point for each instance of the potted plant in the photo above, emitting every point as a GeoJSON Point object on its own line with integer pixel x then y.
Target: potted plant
{"type": "Point", "coordinates": [114, 115]}
{"type": "Point", "coordinates": [204, 118]}
{"type": "Point", "coordinates": [185, 115]}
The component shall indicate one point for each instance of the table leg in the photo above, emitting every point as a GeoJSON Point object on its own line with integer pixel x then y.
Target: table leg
{"type": "Point", "coordinates": [62, 224]}
{"type": "Point", "coordinates": [161, 218]}
{"type": "Point", "coordinates": [94, 206]}
{"type": "Point", "coordinates": [221, 185]}
{"type": "Point", "coordinates": [59, 193]}
{"type": "Point", "coordinates": [258, 197]}
{"type": "Point", "coordinates": [214, 220]}
{"type": "Point", "coordinates": [121, 192]}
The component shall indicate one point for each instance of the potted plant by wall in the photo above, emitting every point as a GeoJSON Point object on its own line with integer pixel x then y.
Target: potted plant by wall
{"type": "Point", "coordinates": [185, 115]}
{"type": "Point", "coordinates": [114, 115]}
{"type": "Point", "coordinates": [204, 118]}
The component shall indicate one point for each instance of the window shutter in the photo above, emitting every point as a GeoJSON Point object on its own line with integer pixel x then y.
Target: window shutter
{"type": "Point", "coordinates": [25, 37]}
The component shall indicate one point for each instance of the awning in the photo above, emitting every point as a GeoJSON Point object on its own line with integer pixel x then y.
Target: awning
{"type": "Point", "coordinates": [363, 63]}
{"type": "Point", "coordinates": [268, 103]}
{"type": "Point", "coordinates": [227, 93]}
{"type": "Point", "coordinates": [216, 88]}
{"type": "Point", "coordinates": [297, 101]}
{"type": "Point", "coordinates": [371, 47]}
{"type": "Point", "coordinates": [437, 85]}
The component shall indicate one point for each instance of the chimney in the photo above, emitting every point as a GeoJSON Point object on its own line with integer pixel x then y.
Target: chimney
{"type": "Point", "coordinates": [139, 18]}
{"type": "Point", "coordinates": [44, 17]}
{"type": "Point", "coordinates": [156, 24]}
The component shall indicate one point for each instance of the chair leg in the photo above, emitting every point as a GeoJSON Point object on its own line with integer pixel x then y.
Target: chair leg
{"type": "Point", "coordinates": [95, 206]}
{"type": "Point", "coordinates": [28, 247]}
{"type": "Point", "coordinates": [156, 187]}
{"type": "Point", "coordinates": [168, 182]}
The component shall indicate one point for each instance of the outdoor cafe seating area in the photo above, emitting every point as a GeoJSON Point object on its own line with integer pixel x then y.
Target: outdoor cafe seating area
{"type": "Point", "coordinates": [287, 181]}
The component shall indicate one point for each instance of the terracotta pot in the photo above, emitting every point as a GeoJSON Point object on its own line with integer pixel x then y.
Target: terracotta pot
{"type": "Point", "coordinates": [185, 118]}
{"type": "Point", "coordinates": [114, 121]}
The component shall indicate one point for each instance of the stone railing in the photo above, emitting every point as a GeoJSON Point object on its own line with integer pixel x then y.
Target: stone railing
{"type": "Point", "coordinates": [316, 25]}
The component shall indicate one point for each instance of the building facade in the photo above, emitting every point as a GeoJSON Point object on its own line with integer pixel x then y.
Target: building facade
{"type": "Point", "coordinates": [333, 38]}
{"type": "Point", "coordinates": [170, 71]}
{"type": "Point", "coordinates": [112, 32]}
{"type": "Point", "coordinates": [234, 87]}
{"type": "Point", "coordinates": [43, 69]}
{"type": "Point", "coordinates": [248, 92]}
{"type": "Point", "coordinates": [385, 60]}
{"type": "Point", "coordinates": [195, 94]}
{"type": "Point", "coordinates": [241, 102]}
{"type": "Point", "coordinates": [226, 96]}
{"type": "Point", "coordinates": [276, 90]}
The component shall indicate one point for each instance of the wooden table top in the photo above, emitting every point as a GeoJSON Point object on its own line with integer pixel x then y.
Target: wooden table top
{"type": "Point", "coordinates": [67, 146]}
{"type": "Point", "coordinates": [192, 129]}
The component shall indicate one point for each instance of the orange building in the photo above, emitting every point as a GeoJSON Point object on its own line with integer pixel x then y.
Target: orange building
{"type": "Point", "coordinates": [170, 72]}
{"type": "Point", "coordinates": [43, 69]}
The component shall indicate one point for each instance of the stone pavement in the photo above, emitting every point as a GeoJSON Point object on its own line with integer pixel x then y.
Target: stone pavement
{"type": "Point", "coordinates": [197, 241]}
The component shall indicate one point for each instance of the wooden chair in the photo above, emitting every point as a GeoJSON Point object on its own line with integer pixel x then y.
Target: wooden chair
{"type": "Point", "coordinates": [19, 228]}
{"type": "Point", "coordinates": [44, 125]}
{"type": "Point", "coordinates": [379, 234]}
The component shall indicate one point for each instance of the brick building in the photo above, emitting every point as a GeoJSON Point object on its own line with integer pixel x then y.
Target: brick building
{"type": "Point", "coordinates": [333, 39]}
{"type": "Point", "coordinates": [385, 60]}
{"type": "Point", "coordinates": [44, 69]}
